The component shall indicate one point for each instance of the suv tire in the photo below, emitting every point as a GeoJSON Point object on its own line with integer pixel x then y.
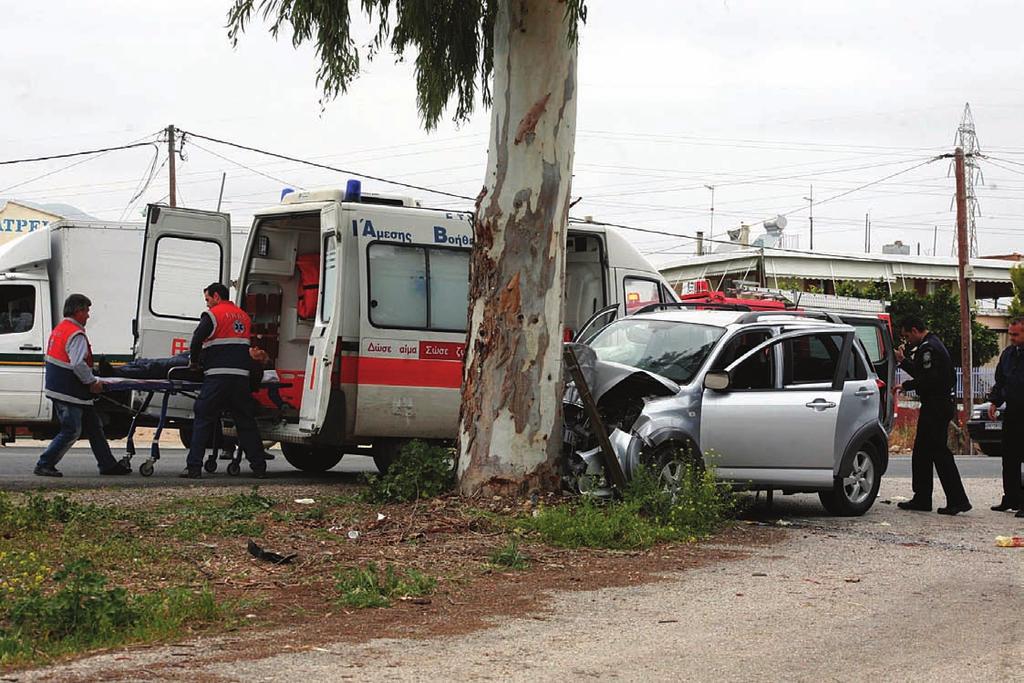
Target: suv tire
{"type": "Point", "coordinates": [855, 490]}
{"type": "Point", "coordinates": [671, 461]}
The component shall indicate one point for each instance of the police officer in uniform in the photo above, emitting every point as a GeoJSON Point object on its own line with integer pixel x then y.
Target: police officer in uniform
{"type": "Point", "coordinates": [71, 385]}
{"type": "Point", "coordinates": [1009, 389]}
{"type": "Point", "coordinates": [221, 340]}
{"type": "Point", "coordinates": [934, 379]}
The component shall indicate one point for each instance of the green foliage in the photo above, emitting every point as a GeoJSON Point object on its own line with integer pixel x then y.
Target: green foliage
{"type": "Point", "coordinates": [1017, 277]}
{"type": "Point", "coordinates": [510, 557]}
{"type": "Point", "coordinates": [863, 290]}
{"type": "Point", "coordinates": [453, 41]}
{"type": "Point", "coordinates": [941, 312]}
{"type": "Point", "coordinates": [648, 514]}
{"type": "Point", "coordinates": [370, 586]}
{"type": "Point", "coordinates": [41, 512]}
{"type": "Point", "coordinates": [80, 612]}
{"type": "Point", "coordinates": [237, 516]}
{"type": "Point", "coordinates": [421, 470]}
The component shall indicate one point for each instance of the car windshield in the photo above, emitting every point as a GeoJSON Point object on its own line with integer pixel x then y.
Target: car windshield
{"type": "Point", "coordinates": [675, 350]}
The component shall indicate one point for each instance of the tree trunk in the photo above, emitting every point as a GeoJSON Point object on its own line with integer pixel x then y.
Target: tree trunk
{"type": "Point", "coordinates": [512, 387]}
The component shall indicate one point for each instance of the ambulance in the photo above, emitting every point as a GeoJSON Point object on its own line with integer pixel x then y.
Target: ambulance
{"type": "Point", "coordinates": [360, 302]}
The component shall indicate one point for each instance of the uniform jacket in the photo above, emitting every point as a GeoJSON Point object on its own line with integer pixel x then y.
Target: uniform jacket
{"type": "Point", "coordinates": [931, 368]}
{"type": "Point", "coordinates": [222, 336]}
{"type": "Point", "coordinates": [1009, 386]}
{"type": "Point", "coordinates": [62, 381]}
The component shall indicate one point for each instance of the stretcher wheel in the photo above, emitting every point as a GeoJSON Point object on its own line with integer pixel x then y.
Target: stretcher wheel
{"type": "Point", "coordinates": [210, 465]}
{"type": "Point", "coordinates": [234, 469]}
{"type": "Point", "coordinates": [146, 469]}
{"type": "Point", "coordinates": [125, 462]}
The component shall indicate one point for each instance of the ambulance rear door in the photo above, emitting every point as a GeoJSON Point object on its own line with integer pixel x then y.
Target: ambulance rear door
{"type": "Point", "coordinates": [185, 251]}
{"type": "Point", "coordinates": [323, 343]}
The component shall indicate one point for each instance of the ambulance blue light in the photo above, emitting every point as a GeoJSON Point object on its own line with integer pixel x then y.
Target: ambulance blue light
{"type": "Point", "coordinates": [353, 191]}
{"type": "Point", "coordinates": [285, 192]}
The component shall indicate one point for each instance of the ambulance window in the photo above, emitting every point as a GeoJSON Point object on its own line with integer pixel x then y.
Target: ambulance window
{"type": "Point", "coordinates": [182, 269]}
{"type": "Point", "coordinates": [639, 293]}
{"type": "Point", "coordinates": [18, 308]}
{"type": "Point", "coordinates": [398, 286]}
{"type": "Point", "coordinates": [449, 289]}
{"type": "Point", "coordinates": [329, 271]}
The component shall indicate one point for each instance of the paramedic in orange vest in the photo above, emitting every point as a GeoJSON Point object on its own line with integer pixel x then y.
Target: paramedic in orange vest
{"type": "Point", "coordinates": [221, 343]}
{"type": "Point", "coordinates": [72, 387]}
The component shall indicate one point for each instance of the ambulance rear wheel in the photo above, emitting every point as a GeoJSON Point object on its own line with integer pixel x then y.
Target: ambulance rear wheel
{"type": "Point", "coordinates": [385, 452]}
{"type": "Point", "coordinates": [311, 458]}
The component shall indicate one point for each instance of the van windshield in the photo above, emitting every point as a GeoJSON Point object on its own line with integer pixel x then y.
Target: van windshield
{"type": "Point", "coordinates": [675, 350]}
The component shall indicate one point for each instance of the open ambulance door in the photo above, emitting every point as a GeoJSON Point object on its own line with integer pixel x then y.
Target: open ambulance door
{"type": "Point", "coordinates": [323, 342]}
{"type": "Point", "coordinates": [185, 251]}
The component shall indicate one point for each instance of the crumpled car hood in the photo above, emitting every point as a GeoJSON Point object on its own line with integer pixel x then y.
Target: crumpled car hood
{"type": "Point", "coordinates": [603, 376]}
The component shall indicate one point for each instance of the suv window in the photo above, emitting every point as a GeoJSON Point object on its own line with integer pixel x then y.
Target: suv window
{"type": "Point", "coordinates": [739, 345]}
{"type": "Point", "coordinates": [812, 359]}
{"type": "Point", "coordinates": [756, 372]}
{"type": "Point", "coordinates": [871, 337]}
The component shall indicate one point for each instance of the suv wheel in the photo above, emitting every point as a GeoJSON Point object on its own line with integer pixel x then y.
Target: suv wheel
{"type": "Point", "coordinates": [856, 487]}
{"type": "Point", "coordinates": [673, 463]}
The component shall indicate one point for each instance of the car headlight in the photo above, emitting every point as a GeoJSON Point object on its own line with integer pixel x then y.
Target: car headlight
{"type": "Point", "coordinates": [976, 415]}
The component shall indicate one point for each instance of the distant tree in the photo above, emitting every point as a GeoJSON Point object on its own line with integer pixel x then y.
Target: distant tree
{"type": "Point", "coordinates": [1017, 278]}
{"type": "Point", "coordinates": [941, 311]}
{"type": "Point", "coordinates": [863, 290]}
{"type": "Point", "coordinates": [512, 384]}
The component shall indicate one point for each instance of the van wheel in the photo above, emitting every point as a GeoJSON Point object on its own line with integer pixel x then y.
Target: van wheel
{"type": "Point", "coordinates": [311, 458]}
{"type": "Point", "coordinates": [856, 487]}
{"type": "Point", "coordinates": [385, 452]}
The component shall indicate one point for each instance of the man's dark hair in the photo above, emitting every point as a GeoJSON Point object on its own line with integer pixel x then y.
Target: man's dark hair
{"type": "Point", "coordinates": [1016, 320]}
{"type": "Point", "coordinates": [217, 289]}
{"type": "Point", "coordinates": [75, 303]}
{"type": "Point", "coordinates": [913, 322]}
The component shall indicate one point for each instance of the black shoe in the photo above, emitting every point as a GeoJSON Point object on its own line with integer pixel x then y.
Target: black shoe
{"type": "Point", "coordinates": [1005, 505]}
{"type": "Point", "coordinates": [116, 470]}
{"type": "Point", "coordinates": [260, 474]}
{"type": "Point", "coordinates": [1020, 513]}
{"type": "Point", "coordinates": [189, 473]}
{"type": "Point", "coordinates": [918, 505]}
{"type": "Point", "coordinates": [46, 471]}
{"type": "Point", "coordinates": [954, 509]}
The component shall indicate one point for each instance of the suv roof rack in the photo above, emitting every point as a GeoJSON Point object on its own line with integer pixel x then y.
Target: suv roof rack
{"type": "Point", "coordinates": [755, 316]}
{"type": "Point", "coordinates": [702, 305]}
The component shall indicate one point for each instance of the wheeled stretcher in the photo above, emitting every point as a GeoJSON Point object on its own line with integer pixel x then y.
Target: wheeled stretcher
{"type": "Point", "coordinates": [179, 381]}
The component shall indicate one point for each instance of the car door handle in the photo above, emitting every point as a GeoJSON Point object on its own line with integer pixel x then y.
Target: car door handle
{"type": "Point", "coordinates": [30, 347]}
{"type": "Point", "coordinates": [820, 404]}
{"type": "Point", "coordinates": [864, 392]}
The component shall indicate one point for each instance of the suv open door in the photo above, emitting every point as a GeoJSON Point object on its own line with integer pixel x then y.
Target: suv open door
{"type": "Point", "coordinates": [873, 332]}
{"type": "Point", "coordinates": [185, 251]}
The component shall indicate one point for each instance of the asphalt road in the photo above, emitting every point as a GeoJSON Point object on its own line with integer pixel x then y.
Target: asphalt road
{"type": "Point", "coordinates": [79, 468]}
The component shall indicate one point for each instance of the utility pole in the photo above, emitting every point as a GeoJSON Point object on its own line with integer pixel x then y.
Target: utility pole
{"type": "Point", "coordinates": [867, 233]}
{"type": "Point", "coordinates": [170, 165]}
{"type": "Point", "coordinates": [963, 243]}
{"type": "Point", "coordinates": [935, 242]}
{"type": "Point", "coordinates": [811, 220]}
{"type": "Point", "coordinates": [711, 228]}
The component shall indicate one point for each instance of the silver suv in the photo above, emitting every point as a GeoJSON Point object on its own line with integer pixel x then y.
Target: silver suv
{"type": "Point", "coordinates": [775, 401]}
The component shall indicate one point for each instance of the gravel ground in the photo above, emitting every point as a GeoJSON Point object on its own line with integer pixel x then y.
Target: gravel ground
{"type": "Point", "coordinates": [893, 595]}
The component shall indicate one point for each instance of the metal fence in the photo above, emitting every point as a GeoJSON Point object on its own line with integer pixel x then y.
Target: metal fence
{"type": "Point", "coordinates": [982, 380]}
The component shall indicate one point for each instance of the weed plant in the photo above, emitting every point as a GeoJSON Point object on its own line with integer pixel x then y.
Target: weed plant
{"type": "Point", "coordinates": [371, 586]}
{"type": "Point", "coordinates": [421, 470]}
{"type": "Point", "coordinates": [510, 557]}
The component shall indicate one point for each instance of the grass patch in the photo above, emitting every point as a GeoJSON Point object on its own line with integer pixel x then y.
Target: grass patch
{"type": "Point", "coordinates": [42, 512]}
{"type": "Point", "coordinates": [75, 610]}
{"type": "Point", "coordinates": [421, 470]}
{"type": "Point", "coordinates": [234, 517]}
{"type": "Point", "coordinates": [647, 515]}
{"type": "Point", "coordinates": [371, 586]}
{"type": "Point", "coordinates": [510, 557]}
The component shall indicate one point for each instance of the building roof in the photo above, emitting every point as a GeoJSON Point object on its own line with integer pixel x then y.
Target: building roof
{"type": "Point", "coordinates": [833, 266]}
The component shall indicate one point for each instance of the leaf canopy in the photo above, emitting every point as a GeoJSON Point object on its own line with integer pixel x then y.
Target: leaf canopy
{"type": "Point", "coordinates": [453, 42]}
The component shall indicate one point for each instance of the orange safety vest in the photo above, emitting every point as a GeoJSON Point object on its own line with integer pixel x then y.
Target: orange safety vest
{"type": "Point", "coordinates": [61, 382]}
{"type": "Point", "coordinates": [226, 350]}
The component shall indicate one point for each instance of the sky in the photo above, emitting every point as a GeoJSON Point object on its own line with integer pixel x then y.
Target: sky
{"type": "Point", "coordinates": [760, 99]}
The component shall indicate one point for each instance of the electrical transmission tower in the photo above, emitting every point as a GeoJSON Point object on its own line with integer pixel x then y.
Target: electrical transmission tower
{"type": "Point", "coordinates": [967, 139]}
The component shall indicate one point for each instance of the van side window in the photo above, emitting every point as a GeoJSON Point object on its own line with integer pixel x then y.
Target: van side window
{"type": "Point", "coordinates": [181, 269]}
{"type": "Point", "coordinates": [418, 287]}
{"type": "Point", "coordinates": [640, 292]}
{"type": "Point", "coordinates": [17, 308]}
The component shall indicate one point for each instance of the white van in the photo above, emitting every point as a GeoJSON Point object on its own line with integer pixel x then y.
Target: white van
{"type": "Point", "coordinates": [376, 357]}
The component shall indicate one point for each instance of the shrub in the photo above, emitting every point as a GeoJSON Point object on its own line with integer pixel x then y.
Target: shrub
{"type": "Point", "coordinates": [421, 470]}
{"type": "Point", "coordinates": [510, 556]}
{"type": "Point", "coordinates": [370, 586]}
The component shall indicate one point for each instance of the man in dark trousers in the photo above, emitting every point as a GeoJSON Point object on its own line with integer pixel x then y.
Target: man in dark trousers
{"type": "Point", "coordinates": [71, 385]}
{"type": "Point", "coordinates": [934, 379]}
{"type": "Point", "coordinates": [221, 340]}
{"type": "Point", "coordinates": [1009, 389]}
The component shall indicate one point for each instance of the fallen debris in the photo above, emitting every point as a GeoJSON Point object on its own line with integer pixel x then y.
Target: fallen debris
{"type": "Point", "coordinates": [1010, 541]}
{"type": "Point", "coordinates": [269, 556]}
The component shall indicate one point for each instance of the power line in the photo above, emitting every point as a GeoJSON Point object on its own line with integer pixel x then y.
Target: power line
{"type": "Point", "coordinates": [329, 168]}
{"type": "Point", "coordinates": [248, 168]}
{"type": "Point", "coordinates": [75, 154]}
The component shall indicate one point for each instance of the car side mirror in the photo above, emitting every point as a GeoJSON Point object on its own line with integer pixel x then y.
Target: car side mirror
{"type": "Point", "coordinates": [717, 380]}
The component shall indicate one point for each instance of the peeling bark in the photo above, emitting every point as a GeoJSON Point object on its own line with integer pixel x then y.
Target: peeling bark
{"type": "Point", "coordinates": [511, 407]}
